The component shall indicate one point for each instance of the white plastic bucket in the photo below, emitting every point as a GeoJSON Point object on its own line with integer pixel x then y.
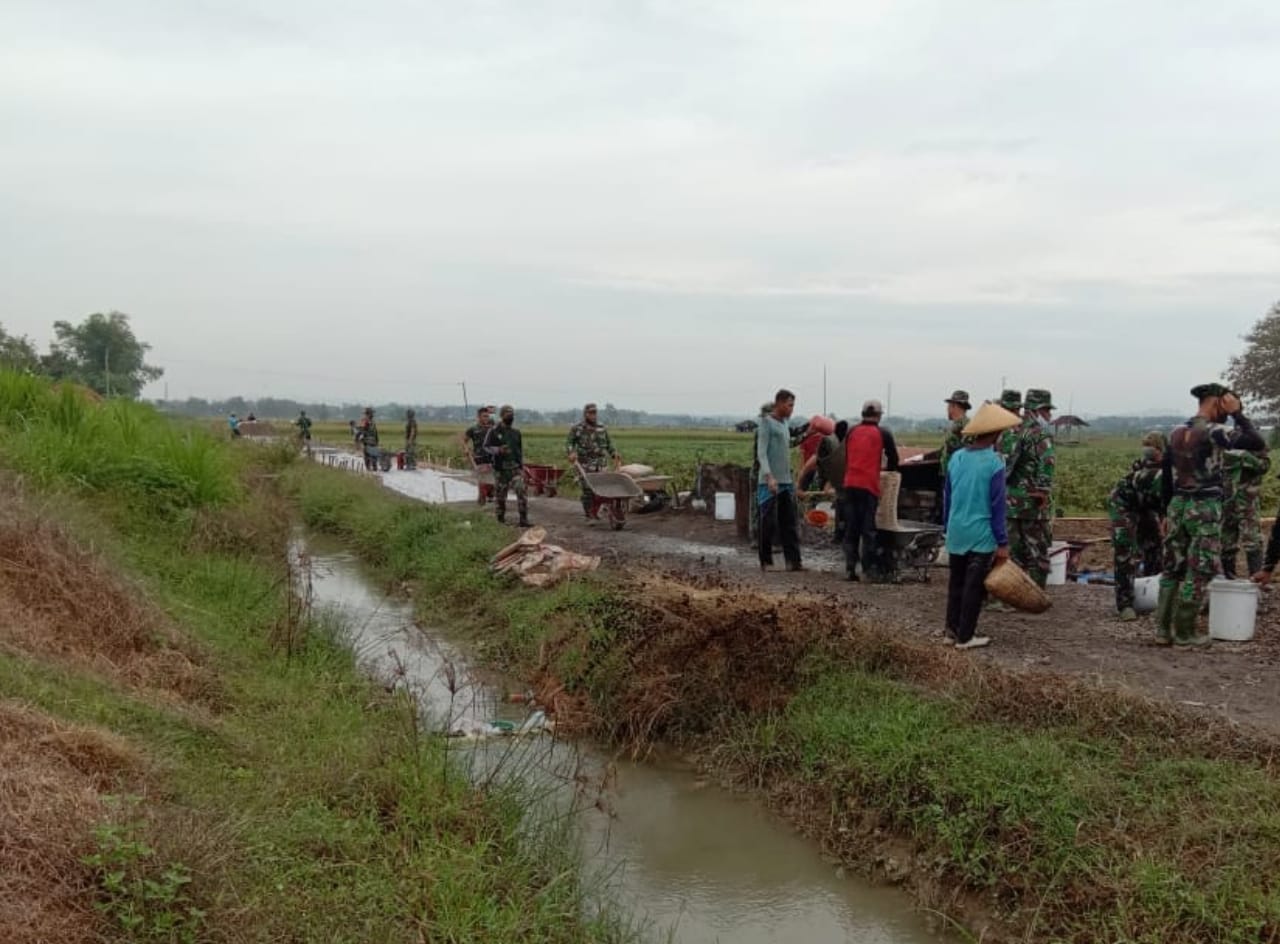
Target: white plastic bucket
{"type": "Point", "coordinates": [1233, 607]}
{"type": "Point", "coordinates": [1058, 563]}
{"type": "Point", "coordinates": [724, 506]}
{"type": "Point", "coordinates": [1146, 593]}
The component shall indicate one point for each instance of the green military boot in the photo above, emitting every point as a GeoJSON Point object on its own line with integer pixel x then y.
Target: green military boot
{"type": "Point", "coordinates": [1164, 615]}
{"type": "Point", "coordinates": [1184, 626]}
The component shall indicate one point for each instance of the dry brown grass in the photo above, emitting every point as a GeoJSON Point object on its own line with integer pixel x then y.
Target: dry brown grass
{"type": "Point", "coordinates": [696, 648]}
{"type": "Point", "coordinates": [61, 602]}
{"type": "Point", "coordinates": [52, 779]}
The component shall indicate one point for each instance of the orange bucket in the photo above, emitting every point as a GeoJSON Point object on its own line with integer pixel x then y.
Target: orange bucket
{"type": "Point", "coordinates": [817, 517]}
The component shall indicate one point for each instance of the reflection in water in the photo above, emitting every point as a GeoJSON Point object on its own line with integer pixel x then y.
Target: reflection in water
{"type": "Point", "coordinates": [697, 863]}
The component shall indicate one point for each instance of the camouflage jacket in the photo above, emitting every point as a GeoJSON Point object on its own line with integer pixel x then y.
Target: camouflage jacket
{"type": "Point", "coordinates": [1007, 445]}
{"type": "Point", "coordinates": [592, 444]}
{"type": "Point", "coordinates": [1140, 491]}
{"type": "Point", "coordinates": [504, 447]}
{"type": "Point", "coordinates": [411, 431]}
{"type": "Point", "coordinates": [367, 433]}
{"type": "Point", "coordinates": [304, 426]}
{"type": "Point", "coordinates": [1029, 471]}
{"type": "Point", "coordinates": [1243, 470]}
{"type": "Point", "coordinates": [1193, 461]}
{"type": "Point", "coordinates": [952, 444]}
{"type": "Point", "coordinates": [475, 435]}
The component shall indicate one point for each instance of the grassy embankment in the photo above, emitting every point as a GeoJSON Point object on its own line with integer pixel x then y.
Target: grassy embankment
{"type": "Point", "coordinates": [1067, 812]}
{"type": "Point", "coordinates": [1087, 470]}
{"type": "Point", "coordinates": [191, 757]}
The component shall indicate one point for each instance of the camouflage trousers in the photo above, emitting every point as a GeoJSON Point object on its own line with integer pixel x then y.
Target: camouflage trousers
{"type": "Point", "coordinates": [410, 455]}
{"type": "Point", "coordinates": [508, 480]}
{"type": "Point", "coordinates": [1135, 539]}
{"type": "Point", "coordinates": [1242, 521]}
{"type": "Point", "coordinates": [1192, 550]}
{"type": "Point", "coordinates": [1029, 540]}
{"type": "Point", "coordinates": [588, 496]}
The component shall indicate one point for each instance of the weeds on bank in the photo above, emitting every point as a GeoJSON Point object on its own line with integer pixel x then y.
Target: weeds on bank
{"type": "Point", "coordinates": [1080, 816]}
{"type": "Point", "coordinates": [301, 806]}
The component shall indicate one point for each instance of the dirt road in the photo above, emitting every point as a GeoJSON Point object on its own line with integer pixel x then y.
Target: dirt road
{"type": "Point", "coordinates": [1078, 636]}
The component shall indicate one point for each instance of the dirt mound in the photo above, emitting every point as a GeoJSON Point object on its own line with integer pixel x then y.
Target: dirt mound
{"type": "Point", "coordinates": [696, 648]}
{"type": "Point", "coordinates": [51, 783]}
{"type": "Point", "coordinates": [60, 601]}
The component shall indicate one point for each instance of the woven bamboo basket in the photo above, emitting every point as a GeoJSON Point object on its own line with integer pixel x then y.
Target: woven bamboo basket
{"type": "Point", "coordinates": [887, 510]}
{"type": "Point", "coordinates": [1010, 584]}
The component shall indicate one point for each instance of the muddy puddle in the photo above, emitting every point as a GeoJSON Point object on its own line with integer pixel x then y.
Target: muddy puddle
{"type": "Point", "coordinates": [690, 862]}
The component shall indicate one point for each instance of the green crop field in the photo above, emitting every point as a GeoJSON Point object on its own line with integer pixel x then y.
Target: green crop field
{"type": "Point", "coordinates": [1086, 470]}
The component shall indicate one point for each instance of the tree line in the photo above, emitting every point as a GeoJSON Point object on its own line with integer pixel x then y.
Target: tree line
{"type": "Point", "coordinates": [101, 353]}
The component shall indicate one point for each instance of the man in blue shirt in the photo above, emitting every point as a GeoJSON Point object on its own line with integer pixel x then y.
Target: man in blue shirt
{"type": "Point", "coordinates": [776, 491]}
{"type": "Point", "coordinates": [973, 512]}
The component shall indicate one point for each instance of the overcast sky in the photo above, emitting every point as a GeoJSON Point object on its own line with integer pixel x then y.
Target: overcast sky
{"type": "Point", "coordinates": [667, 205]}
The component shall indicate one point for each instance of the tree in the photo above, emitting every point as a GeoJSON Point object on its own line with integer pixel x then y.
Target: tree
{"type": "Point", "coordinates": [102, 353]}
{"type": "Point", "coordinates": [1255, 374]}
{"type": "Point", "coordinates": [17, 352]}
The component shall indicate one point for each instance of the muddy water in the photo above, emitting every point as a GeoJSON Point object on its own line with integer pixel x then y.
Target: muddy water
{"type": "Point", "coordinates": [690, 861]}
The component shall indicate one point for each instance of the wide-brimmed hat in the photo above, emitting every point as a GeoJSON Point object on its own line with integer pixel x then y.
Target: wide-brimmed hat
{"type": "Point", "coordinates": [960, 398]}
{"type": "Point", "coordinates": [1011, 399]}
{"type": "Point", "coordinates": [1037, 399]}
{"type": "Point", "coordinates": [990, 418]}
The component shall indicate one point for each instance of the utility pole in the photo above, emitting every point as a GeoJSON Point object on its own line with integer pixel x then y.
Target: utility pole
{"type": "Point", "coordinates": [466, 407]}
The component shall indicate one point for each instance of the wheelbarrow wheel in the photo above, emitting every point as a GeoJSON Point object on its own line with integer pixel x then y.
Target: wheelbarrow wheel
{"type": "Point", "coordinates": [617, 514]}
{"type": "Point", "coordinates": [551, 491]}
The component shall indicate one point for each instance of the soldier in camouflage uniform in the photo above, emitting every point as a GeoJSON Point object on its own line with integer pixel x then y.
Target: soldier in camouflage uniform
{"type": "Point", "coordinates": [1242, 475]}
{"type": "Point", "coordinates": [590, 447]}
{"type": "Point", "coordinates": [1135, 507]}
{"type": "Point", "coordinates": [958, 407]}
{"type": "Point", "coordinates": [473, 442]}
{"type": "Point", "coordinates": [1029, 486]}
{"type": "Point", "coordinates": [1011, 400]}
{"type": "Point", "coordinates": [504, 446]}
{"type": "Point", "coordinates": [410, 440]}
{"type": "Point", "coordinates": [1192, 483]}
{"type": "Point", "coordinates": [367, 436]}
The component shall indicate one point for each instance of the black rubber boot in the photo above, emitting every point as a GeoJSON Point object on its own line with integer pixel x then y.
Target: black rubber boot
{"type": "Point", "coordinates": [1229, 565]}
{"type": "Point", "coordinates": [1253, 560]}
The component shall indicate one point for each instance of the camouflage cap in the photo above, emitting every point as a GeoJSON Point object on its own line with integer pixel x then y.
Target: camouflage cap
{"type": "Point", "coordinates": [959, 398]}
{"type": "Point", "coordinates": [1011, 399]}
{"type": "Point", "coordinates": [1155, 439]}
{"type": "Point", "coordinates": [506, 408]}
{"type": "Point", "coordinates": [1038, 399]}
{"type": "Point", "coordinates": [588, 408]}
{"type": "Point", "coordinates": [1204, 391]}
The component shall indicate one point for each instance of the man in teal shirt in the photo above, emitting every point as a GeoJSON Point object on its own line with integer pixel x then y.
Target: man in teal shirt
{"type": "Point", "coordinates": [776, 491]}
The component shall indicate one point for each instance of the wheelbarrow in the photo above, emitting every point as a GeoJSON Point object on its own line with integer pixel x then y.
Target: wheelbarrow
{"type": "Point", "coordinates": [612, 492]}
{"type": "Point", "coordinates": [912, 545]}
{"type": "Point", "coordinates": [542, 479]}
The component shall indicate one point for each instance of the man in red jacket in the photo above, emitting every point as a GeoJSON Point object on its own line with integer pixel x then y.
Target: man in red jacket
{"type": "Point", "coordinates": [868, 449]}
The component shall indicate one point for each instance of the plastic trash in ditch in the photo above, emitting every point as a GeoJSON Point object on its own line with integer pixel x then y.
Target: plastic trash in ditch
{"type": "Point", "coordinates": [475, 729]}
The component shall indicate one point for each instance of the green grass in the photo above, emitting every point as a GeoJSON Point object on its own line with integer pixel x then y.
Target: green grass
{"type": "Point", "coordinates": [1071, 829]}
{"type": "Point", "coordinates": [1115, 838]}
{"type": "Point", "coordinates": [309, 805]}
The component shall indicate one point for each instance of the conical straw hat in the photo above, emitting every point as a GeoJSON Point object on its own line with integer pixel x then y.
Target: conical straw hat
{"type": "Point", "coordinates": [991, 418]}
